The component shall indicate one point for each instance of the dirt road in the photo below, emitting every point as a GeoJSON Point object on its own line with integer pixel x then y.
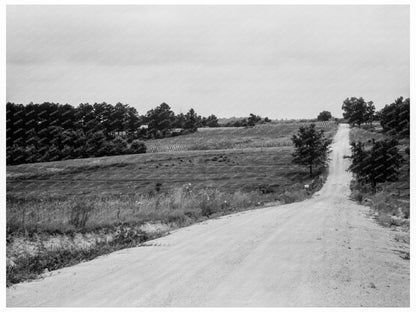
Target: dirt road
{"type": "Point", "coordinates": [325, 251]}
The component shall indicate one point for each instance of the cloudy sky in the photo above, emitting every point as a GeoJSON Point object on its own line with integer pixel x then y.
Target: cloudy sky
{"type": "Point", "coordinates": [276, 61]}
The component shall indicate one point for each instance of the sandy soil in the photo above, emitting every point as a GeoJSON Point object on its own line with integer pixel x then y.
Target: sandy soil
{"type": "Point", "coordinates": [326, 251]}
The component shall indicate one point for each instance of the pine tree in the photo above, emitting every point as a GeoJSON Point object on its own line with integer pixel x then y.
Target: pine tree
{"type": "Point", "coordinates": [311, 147]}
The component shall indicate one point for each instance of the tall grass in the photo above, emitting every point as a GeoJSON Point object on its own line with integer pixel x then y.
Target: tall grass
{"type": "Point", "coordinates": [74, 213]}
{"type": "Point", "coordinates": [46, 233]}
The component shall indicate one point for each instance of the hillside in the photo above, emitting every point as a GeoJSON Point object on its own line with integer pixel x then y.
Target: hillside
{"type": "Point", "coordinates": [121, 195]}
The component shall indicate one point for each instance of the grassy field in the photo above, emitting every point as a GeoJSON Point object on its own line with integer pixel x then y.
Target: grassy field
{"type": "Point", "coordinates": [245, 168]}
{"type": "Point", "coordinates": [115, 199]}
{"type": "Point", "coordinates": [228, 170]}
{"type": "Point", "coordinates": [391, 202]}
{"type": "Point", "coordinates": [265, 135]}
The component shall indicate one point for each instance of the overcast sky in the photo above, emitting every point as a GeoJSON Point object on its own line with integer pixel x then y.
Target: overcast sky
{"type": "Point", "coordinates": [276, 61]}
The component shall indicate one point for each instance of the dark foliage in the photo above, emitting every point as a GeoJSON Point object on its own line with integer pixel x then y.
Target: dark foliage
{"type": "Point", "coordinates": [357, 111]}
{"type": "Point", "coordinates": [160, 120]}
{"type": "Point", "coordinates": [395, 118]}
{"type": "Point", "coordinates": [51, 131]}
{"type": "Point", "coordinates": [311, 147]}
{"type": "Point", "coordinates": [253, 120]}
{"type": "Point", "coordinates": [378, 164]}
{"type": "Point", "coordinates": [324, 116]}
{"type": "Point", "coordinates": [211, 121]}
{"type": "Point", "coordinates": [191, 120]}
{"type": "Point", "coordinates": [137, 147]}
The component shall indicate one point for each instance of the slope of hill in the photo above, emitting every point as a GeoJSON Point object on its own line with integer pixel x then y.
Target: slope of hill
{"type": "Point", "coordinates": [89, 196]}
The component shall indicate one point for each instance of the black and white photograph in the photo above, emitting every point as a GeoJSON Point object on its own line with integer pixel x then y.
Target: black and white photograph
{"type": "Point", "coordinates": [207, 155]}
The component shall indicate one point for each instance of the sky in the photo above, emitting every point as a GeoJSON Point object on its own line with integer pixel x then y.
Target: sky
{"type": "Point", "coordinates": [275, 61]}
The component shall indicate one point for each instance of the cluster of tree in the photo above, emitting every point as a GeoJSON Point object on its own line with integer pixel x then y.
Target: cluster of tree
{"type": "Point", "coordinates": [250, 121]}
{"type": "Point", "coordinates": [381, 161]}
{"type": "Point", "coordinates": [51, 131]}
{"type": "Point", "coordinates": [162, 120]}
{"type": "Point", "coordinates": [311, 147]}
{"type": "Point", "coordinates": [23, 121]}
{"type": "Point", "coordinates": [357, 111]}
{"type": "Point", "coordinates": [378, 164]}
{"type": "Point", "coordinates": [324, 116]}
{"type": "Point", "coordinates": [395, 118]}
{"type": "Point", "coordinates": [70, 145]}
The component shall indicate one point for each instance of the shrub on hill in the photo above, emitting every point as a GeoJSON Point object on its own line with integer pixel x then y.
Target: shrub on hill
{"type": "Point", "coordinates": [120, 146]}
{"type": "Point", "coordinates": [137, 147]}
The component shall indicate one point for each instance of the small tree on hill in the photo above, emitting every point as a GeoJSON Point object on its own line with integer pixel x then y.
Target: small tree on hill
{"type": "Point", "coordinates": [253, 120]}
{"type": "Point", "coordinates": [311, 147]}
{"type": "Point", "coordinates": [191, 120]}
{"type": "Point", "coordinates": [356, 110]}
{"type": "Point", "coordinates": [324, 116]}
{"type": "Point", "coordinates": [212, 121]}
{"type": "Point", "coordinates": [370, 113]}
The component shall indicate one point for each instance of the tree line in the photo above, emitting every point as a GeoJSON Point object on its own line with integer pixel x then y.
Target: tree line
{"type": "Point", "coordinates": [376, 162]}
{"type": "Point", "coordinates": [52, 131]}
{"type": "Point", "coordinates": [394, 118]}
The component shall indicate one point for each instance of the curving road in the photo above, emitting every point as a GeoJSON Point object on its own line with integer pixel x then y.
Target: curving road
{"type": "Point", "coordinates": [325, 251]}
